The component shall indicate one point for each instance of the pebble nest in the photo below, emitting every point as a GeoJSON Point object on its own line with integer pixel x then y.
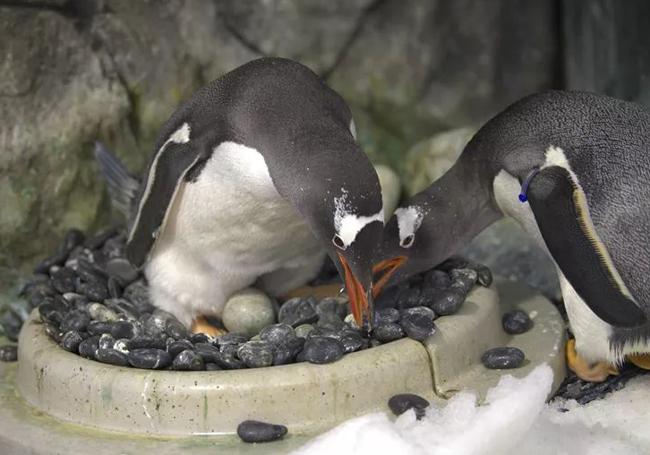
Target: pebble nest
{"type": "Point", "coordinates": [94, 303]}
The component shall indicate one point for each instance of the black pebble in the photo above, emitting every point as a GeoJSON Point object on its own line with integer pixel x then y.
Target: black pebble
{"type": "Point", "coordinates": [297, 311]}
{"type": "Point", "coordinates": [63, 280]}
{"type": "Point", "coordinates": [76, 320]}
{"type": "Point", "coordinates": [254, 431]}
{"type": "Point", "coordinates": [503, 358]}
{"type": "Point", "coordinates": [448, 301]}
{"type": "Point", "coordinates": [286, 351]}
{"type": "Point", "coordinates": [93, 290]}
{"type": "Point", "coordinates": [106, 341]}
{"type": "Point", "coordinates": [516, 322]}
{"type": "Point", "coordinates": [402, 402]}
{"type": "Point", "coordinates": [389, 331]}
{"type": "Point", "coordinates": [145, 341]}
{"type": "Point", "coordinates": [123, 329]}
{"type": "Point", "coordinates": [320, 349]}
{"type": "Point", "coordinates": [484, 275]}
{"type": "Point", "coordinates": [352, 342]}
{"type": "Point", "coordinates": [199, 338]}
{"type": "Point", "coordinates": [177, 346]}
{"type": "Point", "coordinates": [386, 315]}
{"type": "Point", "coordinates": [152, 359]}
{"type": "Point", "coordinates": [88, 347]}
{"type": "Point", "coordinates": [256, 354]}
{"type": "Point", "coordinates": [409, 298]}
{"type": "Point", "coordinates": [57, 259]}
{"type": "Point", "coordinates": [463, 279]}
{"type": "Point", "coordinates": [277, 333]}
{"type": "Point", "coordinates": [232, 338]}
{"type": "Point", "coordinates": [436, 279]}
{"type": "Point", "coordinates": [71, 340]}
{"type": "Point", "coordinates": [112, 357]}
{"type": "Point", "coordinates": [122, 269]}
{"type": "Point", "coordinates": [99, 328]}
{"type": "Point", "coordinates": [418, 322]}
{"type": "Point", "coordinates": [188, 360]}
{"type": "Point", "coordinates": [8, 353]}
{"type": "Point", "coordinates": [73, 238]}
{"type": "Point", "coordinates": [53, 332]}
{"type": "Point", "coordinates": [114, 288]}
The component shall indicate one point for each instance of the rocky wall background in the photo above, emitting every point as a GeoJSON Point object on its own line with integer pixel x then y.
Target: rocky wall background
{"type": "Point", "coordinates": [420, 75]}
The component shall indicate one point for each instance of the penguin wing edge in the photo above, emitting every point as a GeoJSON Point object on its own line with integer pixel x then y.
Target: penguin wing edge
{"type": "Point", "coordinates": [562, 215]}
{"type": "Point", "coordinates": [165, 177]}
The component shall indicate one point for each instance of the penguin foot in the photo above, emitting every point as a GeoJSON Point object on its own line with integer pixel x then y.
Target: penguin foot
{"type": "Point", "coordinates": [201, 325]}
{"type": "Point", "coordinates": [640, 360]}
{"type": "Point", "coordinates": [320, 292]}
{"type": "Point", "coordinates": [591, 372]}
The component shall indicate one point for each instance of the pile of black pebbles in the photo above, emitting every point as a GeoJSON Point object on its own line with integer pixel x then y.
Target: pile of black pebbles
{"type": "Point", "coordinates": [94, 303]}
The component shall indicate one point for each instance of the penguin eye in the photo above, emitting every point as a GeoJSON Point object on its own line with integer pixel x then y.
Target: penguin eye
{"type": "Point", "coordinates": [338, 242]}
{"type": "Point", "coordinates": [408, 241]}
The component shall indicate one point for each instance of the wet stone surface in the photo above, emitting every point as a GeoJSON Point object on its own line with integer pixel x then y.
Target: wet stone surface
{"type": "Point", "coordinates": [503, 358]}
{"type": "Point", "coordinates": [402, 402]}
{"type": "Point", "coordinates": [254, 431]}
{"type": "Point", "coordinates": [94, 303]}
{"type": "Point", "coordinates": [516, 322]}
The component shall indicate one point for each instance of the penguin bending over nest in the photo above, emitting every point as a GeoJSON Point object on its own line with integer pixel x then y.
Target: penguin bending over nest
{"type": "Point", "coordinates": [574, 170]}
{"type": "Point", "coordinates": [255, 178]}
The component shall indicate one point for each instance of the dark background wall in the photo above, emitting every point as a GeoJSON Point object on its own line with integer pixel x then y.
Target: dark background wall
{"type": "Point", "coordinates": [75, 71]}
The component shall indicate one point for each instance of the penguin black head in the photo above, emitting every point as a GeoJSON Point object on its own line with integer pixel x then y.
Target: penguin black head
{"type": "Point", "coordinates": [338, 194]}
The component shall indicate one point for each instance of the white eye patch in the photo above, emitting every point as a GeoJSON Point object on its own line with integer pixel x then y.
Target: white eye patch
{"type": "Point", "coordinates": [348, 224]}
{"type": "Point", "coordinates": [409, 220]}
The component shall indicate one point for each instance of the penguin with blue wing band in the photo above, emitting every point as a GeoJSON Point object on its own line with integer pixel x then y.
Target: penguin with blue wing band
{"type": "Point", "coordinates": [573, 169]}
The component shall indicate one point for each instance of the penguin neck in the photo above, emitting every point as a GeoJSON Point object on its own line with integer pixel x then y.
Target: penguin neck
{"type": "Point", "coordinates": [460, 206]}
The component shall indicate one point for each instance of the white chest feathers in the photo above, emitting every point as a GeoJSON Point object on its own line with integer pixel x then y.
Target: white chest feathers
{"type": "Point", "coordinates": [232, 214]}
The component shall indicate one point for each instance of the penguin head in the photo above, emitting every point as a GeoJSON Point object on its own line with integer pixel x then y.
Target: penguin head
{"type": "Point", "coordinates": [412, 242]}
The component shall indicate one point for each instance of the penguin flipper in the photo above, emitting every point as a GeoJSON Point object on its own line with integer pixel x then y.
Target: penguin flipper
{"type": "Point", "coordinates": [165, 176]}
{"type": "Point", "coordinates": [122, 187]}
{"type": "Point", "coordinates": [562, 215]}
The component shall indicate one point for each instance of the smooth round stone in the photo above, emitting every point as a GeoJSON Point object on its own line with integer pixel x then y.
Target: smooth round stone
{"type": "Point", "coordinates": [146, 341]}
{"type": "Point", "coordinates": [248, 312]}
{"type": "Point", "coordinates": [188, 360]}
{"type": "Point", "coordinates": [402, 402]}
{"type": "Point", "coordinates": [436, 279]}
{"type": "Point", "coordinates": [138, 294]}
{"type": "Point", "coordinates": [297, 311]}
{"type": "Point", "coordinates": [122, 345]}
{"type": "Point", "coordinates": [418, 322]}
{"type": "Point", "coordinates": [99, 328]}
{"type": "Point", "coordinates": [106, 341]}
{"type": "Point", "coordinates": [122, 269]}
{"type": "Point", "coordinates": [176, 329]}
{"type": "Point", "coordinates": [53, 332]}
{"type": "Point", "coordinates": [64, 279]}
{"type": "Point", "coordinates": [386, 315]}
{"type": "Point", "coordinates": [286, 351]}
{"type": "Point", "coordinates": [516, 322]}
{"type": "Point", "coordinates": [331, 306]}
{"type": "Point", "coordinates": [93, 290]}
{"type": "Point", "coordinates": [114, 288]}
{"type": "Point", "coordinates": [208, 352]}
{"type": "Point", "coordinates": [503, 358]}
{"type": "Point", "coordinates": [101, 313]}
{"type": "Point", "coordinates": [232, 338]}
{"type": "Point", "coordinates": [277, 333]}
{"type": "Point", "coordinates": [484, 275]}
{"type": "Point", "coordinates": [352, 342]}
{"type": "Point", "coordinates": [304, 330]}
{"type": "Point", "coordinates": [8, 353]}
{"type": "Point", "coordinates": [389, 331]}
{"type": "Point", "coordinates": [409, 298]}
{"type": "Point", "coordinates": [256, 354]}
{"type": "Point", "coordinates": [200, 338]}
{"type": "Point", "coordinates": [254, 431]}
{"type": "Point", "coordinates": [124, 329]}
{"type": "Point", "coordinates": [112, 357]}
{"type": "Point", "coordinates": [89, 347]}
{"type": "Point", "coordinates": [448, 302]}
{"type": "Point", "coordinates": [152, 359]}
{"type": "Point", "coordinates": [71, 340]}
{"type": "Point", "coordinates": [76, 321]}
{"type": "Point", "coordinates": [177, 346]}
{"type": "Point", "coordinates": [321, 350]}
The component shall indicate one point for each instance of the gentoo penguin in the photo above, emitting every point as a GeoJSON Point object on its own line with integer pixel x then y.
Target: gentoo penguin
{"type": "Point", "coordinates": [254, 178]}
{"type": "Point", "coordinates": [573, 169]}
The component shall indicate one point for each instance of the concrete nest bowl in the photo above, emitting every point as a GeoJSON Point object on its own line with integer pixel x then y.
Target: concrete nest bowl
{"type": "Point", "coordinates": [307, 398]}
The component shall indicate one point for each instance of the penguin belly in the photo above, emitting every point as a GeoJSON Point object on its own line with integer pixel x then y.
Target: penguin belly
{"type": "Point", "coordinates": [224, 230]}
{"type": "Point", "coordinates": [592, 334]}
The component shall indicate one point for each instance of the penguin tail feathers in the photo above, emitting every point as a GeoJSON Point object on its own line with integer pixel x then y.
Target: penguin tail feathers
{"type": "Point", "coordinates": [122, 186]}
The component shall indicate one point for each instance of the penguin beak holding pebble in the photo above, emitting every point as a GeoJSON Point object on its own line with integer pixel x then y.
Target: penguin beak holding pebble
{"type": "Point", "coordinates": [354, 263]}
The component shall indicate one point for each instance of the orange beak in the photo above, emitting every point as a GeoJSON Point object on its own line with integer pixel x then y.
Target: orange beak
{"type": "Point", "coordinates": [387, 267]}
{"type": "Point", "coordinates": [360, 299]}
